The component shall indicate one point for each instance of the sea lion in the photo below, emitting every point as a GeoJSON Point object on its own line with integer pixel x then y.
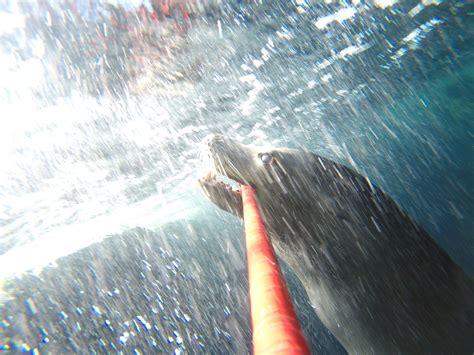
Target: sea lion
{"type": "Point", "coordinates": [376, 279]}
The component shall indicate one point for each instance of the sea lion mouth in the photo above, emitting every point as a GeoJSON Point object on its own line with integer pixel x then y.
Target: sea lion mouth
{"type": "Point", "coordinates": [216, 180]}
{"type": "Point", "coordinates": [215, 173]}
{"type": "Point", "coordinates": [226, 195]}
{"type": "Point", "coordinates": [221, 189]}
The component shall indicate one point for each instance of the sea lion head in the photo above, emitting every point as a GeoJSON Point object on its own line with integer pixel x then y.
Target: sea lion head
{"type": "Point", "coordinates": [280, 176]}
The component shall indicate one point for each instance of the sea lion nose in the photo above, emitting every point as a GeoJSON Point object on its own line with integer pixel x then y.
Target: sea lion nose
{"type": "Point", "coordinates": [214, 140]}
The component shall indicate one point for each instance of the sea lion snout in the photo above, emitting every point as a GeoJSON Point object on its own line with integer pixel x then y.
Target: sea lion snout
{"type": "Point", "coordinates": [223, 146]}
{"type": "Point", "coordinates": [213, 139]}
{"type": "Point", "coordinates": [230, 158]}
{"type": "Point", "coordinates": [218, 149]}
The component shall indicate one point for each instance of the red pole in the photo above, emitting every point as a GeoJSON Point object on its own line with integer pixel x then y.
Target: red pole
{"type": "Point", "coordinates": [276, 328]}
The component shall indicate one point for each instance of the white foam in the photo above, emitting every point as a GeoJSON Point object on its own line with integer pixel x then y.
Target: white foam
{"type": "Point", "coordinates": [414, 38]}
{"type": "Point", "coordinates": [257, 87]}
{"type": "Point", "coordinates": [352, 50]}
{"type": "Point", "coordinates": [384, 3]}
{"type": "Point", "coordinates": [64, 240]}
{"type": "Point", "coordinates": [340, 16]}
{"type": "Point", "coordinates": [9, 22]}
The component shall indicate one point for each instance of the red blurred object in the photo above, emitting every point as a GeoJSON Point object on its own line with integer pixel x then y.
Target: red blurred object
{"type": "Point", "coordinates": [275, 327]}
{"type": "Point", "coordinates": [184, 12]}
{"type": "Point", "coordinates": [165, 8]}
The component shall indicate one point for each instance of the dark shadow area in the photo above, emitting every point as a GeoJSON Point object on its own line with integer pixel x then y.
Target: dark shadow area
{"type": "Point", "coordinates": [179, 288]}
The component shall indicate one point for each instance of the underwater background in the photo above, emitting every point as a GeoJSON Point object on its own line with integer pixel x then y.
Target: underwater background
{"type": "Point", "coordinates": [106, 242]}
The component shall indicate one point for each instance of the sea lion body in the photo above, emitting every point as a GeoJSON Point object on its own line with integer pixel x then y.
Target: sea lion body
{"type": "Point", "coordinates": [377, 280]}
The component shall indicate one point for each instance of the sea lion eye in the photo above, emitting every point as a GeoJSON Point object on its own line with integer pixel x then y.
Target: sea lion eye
{"type": "Point", "coordinates": [266, 158]}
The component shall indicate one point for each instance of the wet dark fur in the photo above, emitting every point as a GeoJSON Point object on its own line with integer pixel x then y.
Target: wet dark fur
{"type": "Point", "coordinates": [378, 281]}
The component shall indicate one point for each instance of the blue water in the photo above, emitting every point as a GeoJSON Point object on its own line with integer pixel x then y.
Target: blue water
{"type": "Point", "coordinates": [106, 244]}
